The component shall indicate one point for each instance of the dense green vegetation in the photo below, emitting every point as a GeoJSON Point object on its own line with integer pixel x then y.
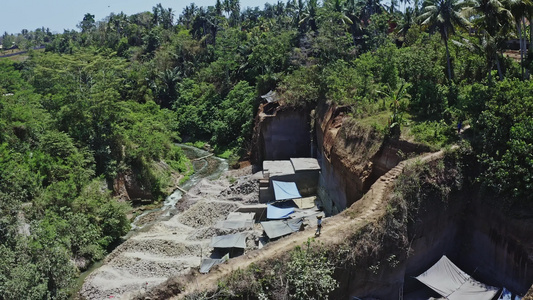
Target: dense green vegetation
{"type": "Point", "coordinates": [113, 98]}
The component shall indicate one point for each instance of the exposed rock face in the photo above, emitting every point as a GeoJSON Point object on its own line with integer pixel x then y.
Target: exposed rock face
{"type": "Point", "coordinates": [497, 246]}
{"type": "Point", "coordinates": [127, 187]}
{"type": "Point", "coordinates": [281, 133]}
{"type": "Point", "coordinates": [353, 157]}
{"type": "Point", "coordinates": [480, 238]}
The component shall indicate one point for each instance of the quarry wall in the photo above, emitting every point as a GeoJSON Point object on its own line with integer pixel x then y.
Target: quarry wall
{"type": "Point", "coordinates": [481, 239]}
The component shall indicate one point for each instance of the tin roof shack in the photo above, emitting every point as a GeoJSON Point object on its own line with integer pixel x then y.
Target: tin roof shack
{"type": "Point", "coordinates": [302, 171]}
{"type": "Point", "coordinates": [234, 244]}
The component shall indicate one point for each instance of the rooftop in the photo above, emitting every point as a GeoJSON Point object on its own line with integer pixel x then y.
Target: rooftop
{"type": "Point", "coordinates": [278, 167]}
{"type": "Point", "coordinates": [305, 164]}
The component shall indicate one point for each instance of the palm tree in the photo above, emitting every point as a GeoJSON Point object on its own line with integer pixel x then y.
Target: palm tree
{"type": "Point", "coordinates": [340, 7]}
{"type": "Point", "coordinates": [399, 98]}
{"type": "Point", "coordinates": [407, 21]}
{"type": "Point", "coordinates": [443, 15]}
{"type": "Point", "coordinates": [492, 20]}
{"type": "Point", "coordinates": [488, 15]}
{"type": "Point", "coordinates": [309, 17]}
{"type": "Point", "coordinates": [235, 6]}
{"type": "Point", "coordinates": [353, 10]}
{"type": "Point", "coordinates": [168, 90]}
{"type": "Point", "coordinates": [296, 9]}
{"type": "Point", "coordinates": [519, 9]}
{"type": "Point", "coordinates": [369, 8]}
{"type": "Point", "coordinates": [488, 47]}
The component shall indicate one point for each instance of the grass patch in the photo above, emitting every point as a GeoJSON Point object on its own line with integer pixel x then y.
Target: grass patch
{"type": "Point", "coordinates": [197, 144]}
{"type": "Point", "coordinates": [435, 134]}
{"type": "Point", "coordinates": [380, 121]}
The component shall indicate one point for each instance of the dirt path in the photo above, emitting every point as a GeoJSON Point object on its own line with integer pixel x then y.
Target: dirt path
{"type": "Point", "coordinates": [334, 230]}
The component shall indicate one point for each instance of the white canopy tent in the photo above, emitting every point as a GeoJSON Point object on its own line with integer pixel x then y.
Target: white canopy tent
{"type": "Point", "coordinates": [445, 278]}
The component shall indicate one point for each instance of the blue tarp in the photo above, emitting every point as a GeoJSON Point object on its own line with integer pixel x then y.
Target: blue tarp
{"type": "Point", "coordinates": [285, 190]}
{"type": "Point", "coordinates": [507, 295]}
{"type": "Point", "coordinates": [274, 212]}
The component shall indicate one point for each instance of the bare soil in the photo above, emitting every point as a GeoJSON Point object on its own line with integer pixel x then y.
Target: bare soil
{"type": "Point", "coordinates": [172, 247]}
{"type": "Point", "coordinates": [156, 262]}
{"type": "Point", "coordinates": [334, 231]}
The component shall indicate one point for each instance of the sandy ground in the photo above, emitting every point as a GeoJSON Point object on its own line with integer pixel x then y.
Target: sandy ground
{"type": "Point", "coordinates": [171, 247]}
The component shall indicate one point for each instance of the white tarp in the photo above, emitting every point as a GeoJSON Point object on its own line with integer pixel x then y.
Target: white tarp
{"type": "Point", "coordinates": [237, 240]}
{"type": "Point", "coordinates": [305, 203]}
{"type": "Point", "coordinates": [448, 280]}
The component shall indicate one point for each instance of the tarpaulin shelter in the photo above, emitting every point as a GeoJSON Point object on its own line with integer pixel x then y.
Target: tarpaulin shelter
{"type": "Point", "coordinates": [237, 220]}
{"type": "Point", "coordinates": [285, 190]}
{"type": "Point", "coordinates": [305, 203]}
{"type": "Point", "coordinates": [237, 240]}
{"type": "Point", "coordinates": [275, 229]}
{"type": "Point", "coordinates": [445, 278]}
{"type": "Point", "coordinates": [274, 212]}
{"type": "Point", "coordinates": [208, 263]}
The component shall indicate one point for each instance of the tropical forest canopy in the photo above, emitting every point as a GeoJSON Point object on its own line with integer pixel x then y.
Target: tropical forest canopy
{"type": "Point", "coordinates": [117, 95]}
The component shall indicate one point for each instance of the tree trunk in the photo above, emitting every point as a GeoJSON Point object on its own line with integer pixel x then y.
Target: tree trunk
{"type": "Point", "coordinates": [500, 73]}
{"type": "Point", "coordinates": [519, 31]}
{"type": "Point", "coordinates": [524, 41]}
{"type": "Point", "coordinates": [448, 55]}
{"type": "Point", "coordinates": [530, 32]}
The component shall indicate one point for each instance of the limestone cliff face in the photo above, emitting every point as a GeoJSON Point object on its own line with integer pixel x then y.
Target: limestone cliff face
{"type": "Point", "coordinates": [281, 133]}
{"type": "Point", "coordinates": [130, 186]}
{"type": "Point", "coordinates": [352, 156]}
{"type": "Point", "coordinates": [479, 237]}
{"type": "Point", "coordinates": [127, 187]}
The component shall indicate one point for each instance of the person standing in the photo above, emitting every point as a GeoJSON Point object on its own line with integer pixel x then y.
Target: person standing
{"type": "Point", "coordinates": [318, 225]}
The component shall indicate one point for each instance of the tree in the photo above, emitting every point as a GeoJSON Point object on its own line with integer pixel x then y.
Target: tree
{"type": "Point", "coordinates": [519, 10]}
{"type": "Point", "coordinates": [398, 98]}
{"type": "Point", "coordinates": [87, 24]}
{"type": "Point", "coordinates": [492, 20]}
{"type": "Point", "coordinates": [309, 16]}
{"type": "Point", "coordinates": [444, 16]}
{"type": "Point", "coordinates": [168, 90]}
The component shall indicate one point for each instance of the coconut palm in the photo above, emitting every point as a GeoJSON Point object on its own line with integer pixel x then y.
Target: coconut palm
{"type": "Point", "coordinates": [353, 10]}
{"type": "Point", "coordinates": [518, 9]}
{"type": "Point", "coordinates": [493, 23]}
{"type": "Point", "coordinates": [488, 15]}
{"type": "Point", "coordinates": [369, 8]}
{"type": "Point", "coordinates": [444, 16]}
{"type": "Point", "coordinates": [309, 16]}
{"type": "Point", "coordinates": [407, 21]}
{"type": "Point", "coordinates": [399, 98]}
{"type": "Point", "coordinates": [340, 8]}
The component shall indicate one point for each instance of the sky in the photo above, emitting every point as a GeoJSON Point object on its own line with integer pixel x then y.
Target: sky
{"type": "Point", "coordinates": [66, 14]}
